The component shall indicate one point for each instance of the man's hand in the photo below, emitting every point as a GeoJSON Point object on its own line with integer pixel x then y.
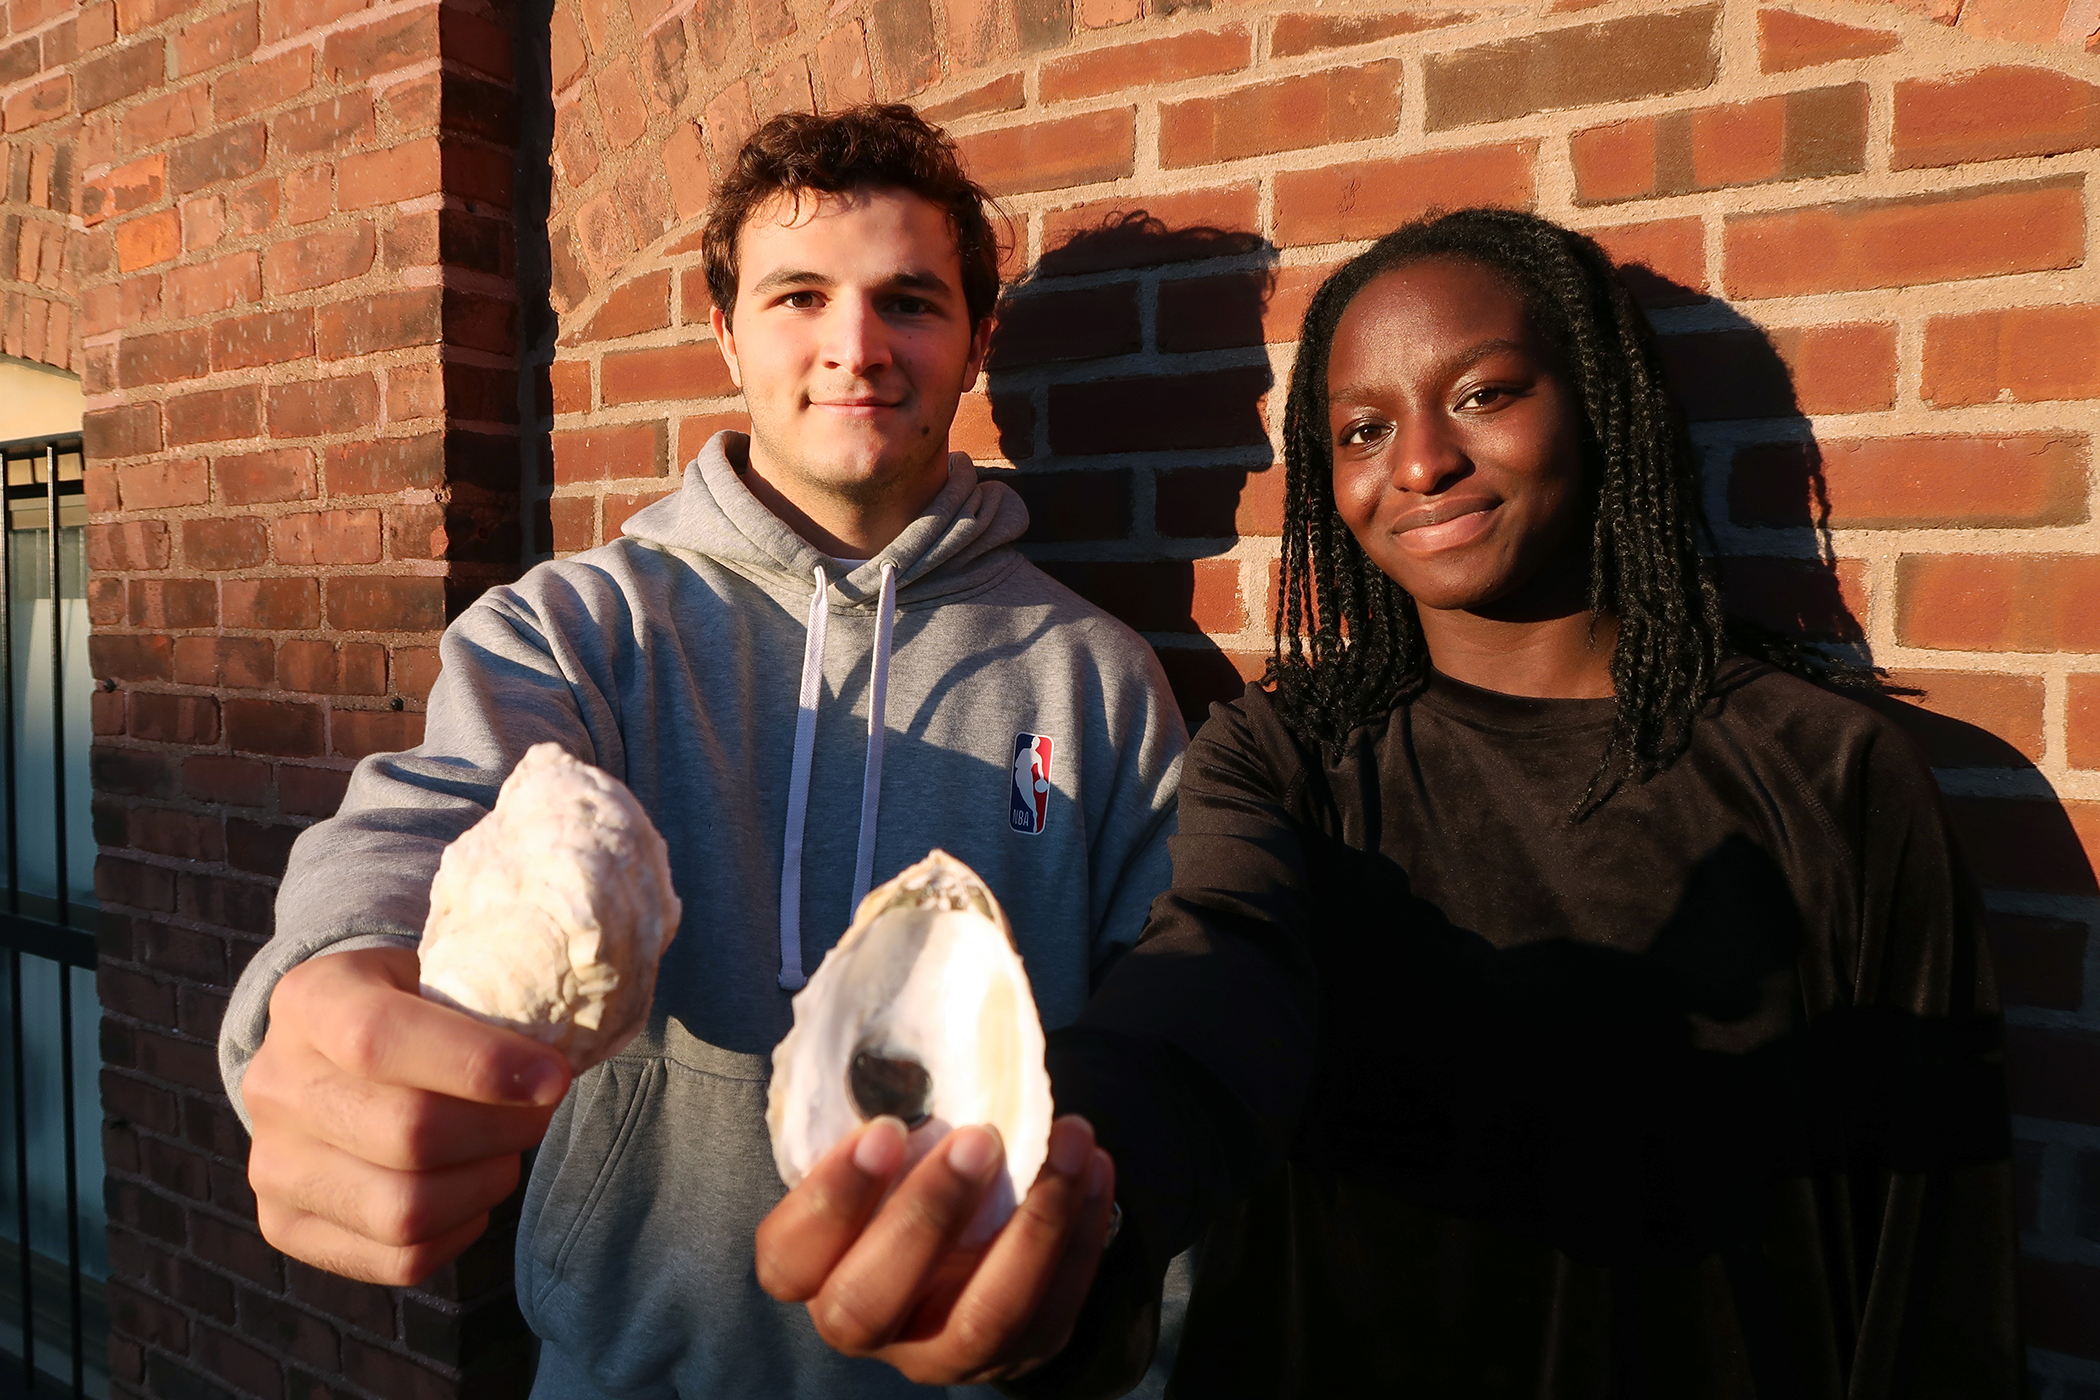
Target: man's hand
{"type": "Point", "coordinates": [387, 1126]}
{"type": "Point", "coordinates": [895, 1283]}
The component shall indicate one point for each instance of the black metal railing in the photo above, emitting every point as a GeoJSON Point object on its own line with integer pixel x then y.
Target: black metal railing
{"type": "Point", "coordinates": [53, 1301]}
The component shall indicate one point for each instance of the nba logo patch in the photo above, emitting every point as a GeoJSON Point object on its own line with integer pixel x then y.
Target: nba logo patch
{"type": "Point", "coordinates": [1028, 799]}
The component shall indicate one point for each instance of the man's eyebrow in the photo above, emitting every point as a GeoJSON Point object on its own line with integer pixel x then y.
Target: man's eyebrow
{"type": "Point", "coordinates": [915, 279]}
{"type": "Point", "coordinates": [791, 277]}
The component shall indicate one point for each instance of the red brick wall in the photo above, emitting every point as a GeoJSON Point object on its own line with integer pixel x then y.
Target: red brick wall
{"type": "Point", "coordinates": [1862, 227]}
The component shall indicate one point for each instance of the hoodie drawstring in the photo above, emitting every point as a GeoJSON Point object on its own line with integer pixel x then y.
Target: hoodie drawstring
{"type": "Point", "coordinates": [791, 974]}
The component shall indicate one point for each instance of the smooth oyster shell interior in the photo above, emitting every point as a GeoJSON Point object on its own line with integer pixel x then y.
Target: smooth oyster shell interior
{"type": "Point", "coordinates": [550, 914]}
{"type": "Point", "coordinates": [922, 1010]}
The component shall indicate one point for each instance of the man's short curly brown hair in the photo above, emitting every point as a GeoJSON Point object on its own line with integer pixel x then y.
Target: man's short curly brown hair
{"type": "Point", "coordinates": [878, 145]}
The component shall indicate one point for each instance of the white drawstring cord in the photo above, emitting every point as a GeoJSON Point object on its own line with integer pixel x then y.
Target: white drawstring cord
{"type": "Point", "coordinates": [878, 697]}
{"type": "Point", "coordinates": [791, 978]}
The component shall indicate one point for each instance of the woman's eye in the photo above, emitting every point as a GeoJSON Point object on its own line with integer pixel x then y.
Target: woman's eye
{"type": "Point", "coordinates": [1363, 434]}
{"type": "Point", "coordinates": [1483, 396]}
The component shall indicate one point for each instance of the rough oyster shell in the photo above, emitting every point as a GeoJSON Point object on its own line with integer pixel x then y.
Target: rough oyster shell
{"type": "Point", "coordinates": [927, 976]}
{"type": "Point", "coordinates": [549, 915]}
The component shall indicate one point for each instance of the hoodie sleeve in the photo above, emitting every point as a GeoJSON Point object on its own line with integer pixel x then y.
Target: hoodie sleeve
{"type": "Point", "coordinates": [362, 877]}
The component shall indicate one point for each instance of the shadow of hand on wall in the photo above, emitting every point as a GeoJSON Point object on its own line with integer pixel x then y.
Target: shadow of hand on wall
{"type": "Point", "coordinates": [1770, 494]}
{"type": "Point", "coordinates": [1128, 385]}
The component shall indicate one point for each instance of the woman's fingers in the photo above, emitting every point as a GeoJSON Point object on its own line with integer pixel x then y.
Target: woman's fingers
{"type": "Point", "coordinates": [873, 1291]}
{"type": "Point", "coordinates": [805, 1236]}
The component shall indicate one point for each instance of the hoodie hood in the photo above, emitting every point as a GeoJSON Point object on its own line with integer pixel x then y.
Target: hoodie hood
{"type": "Point", "coordinates": [715, 514]}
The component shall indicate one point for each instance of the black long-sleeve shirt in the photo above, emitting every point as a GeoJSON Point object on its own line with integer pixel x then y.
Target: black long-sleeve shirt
{"type": "Point", "coordinates": [1696, 1097]}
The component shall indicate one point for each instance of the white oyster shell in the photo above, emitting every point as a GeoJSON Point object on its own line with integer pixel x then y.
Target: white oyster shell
{"type": "Point", "coordinates": [927, 973]}
{"type": "Point", "coordinates": [550, 914]}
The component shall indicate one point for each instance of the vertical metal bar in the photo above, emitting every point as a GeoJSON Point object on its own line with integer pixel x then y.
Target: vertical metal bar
{"type": "Point", "coordinates": [64, 920]}
{"type": "Point", "coordinates": [7, 699]}
{"type": "Point", "coordinates": [58, 701]}
{"type": "Point", "coordinates": [14, 967]}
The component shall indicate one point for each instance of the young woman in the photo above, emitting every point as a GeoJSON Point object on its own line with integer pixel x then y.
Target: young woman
{"type": "Point", "coordinates": [1553, 1000]}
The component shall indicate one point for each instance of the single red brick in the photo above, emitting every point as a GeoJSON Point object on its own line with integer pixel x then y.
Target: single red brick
{"type": "Point", "coordinates": [1735, 143]}
{"type": "Point", "coordinates": [2082, 721]}
{"type": "Point", "coordinates": [165, 482]}
{"type": "Point", "coordinates": [203, 288]}
{"type": "Point", "coordinates": [148, 239]}
{"type": "Point", "coordinates": [1353, 103]}
{"type": "Point", "coordinates": [161, 359]}
{"type": "Point", "coordinates": [1840, 369]}
{"type": "Point", "coordinates": [128, 71]}
{"type": "Point", "coordinates": [617, 509]}
{"type": "Point", "coordinates": [174, 719]}
{"type": "Point", "coordinates": [1081, 150]}
{"type": "Point", "coordinates": [600, 454]}
{"type": "Point", "coordinates": [1040, 327]}
{"type": "Point", "coordinates": [130, 657]}
{"type": "Point", "coordinates": [386, 603]}
{"type": "Point", "coordinates": [673, 373]}
{"type": "Point", "coordinates": [344, 120]}
{"type": "Point", "coordinates": [1662, 263]}
{"type": "Point", "coordinates": [407, 171]}
{"type": "Point", "coordinates": [1217, 408]}
{"type": "Point", "coordinates": [353, 55]}
{"type": "Point", "coordinates": [214, 415]}
{"type": "Point", "coordinates": [1218, 502]}
{"type": "Point", "coordinates": [1198, 54]}
{"type": "Point", "coordinates": [1363, 199]}
{"type": "Point", "coordinates": [266, 338]}
{"type": "Point", "coordinates": [225, 543]}
{"type": "Point", "coordinates": [1201, 595]}
{"type": "Point", "coordinates": [259, 86]}
{"type": "Point", "coordinates": [285, 728]}
{"type": "Point", "coordinates": [415, 670]}
{"type": "Point", "coordinates": [320, 407]}
{"type": "Point", "coordinates": [318, 259]}
{"type": "Point", "coordinates": [2039, 961]}
{"type": "Point", "coordinates": [1786, 41]}
{"type": "Point", "coordinates": [133, 544]}
{"type": "Point", "coordinates": [1995, 114]}
{"type": "Point", "coordinates": [226, 154]}
{"type": "Point", "coordinates": [694, 432]}
{"type": "Point", "coordinates": [356, 733]}
{"type": "Point", "coordinates": [572, 523]}
{"type": "Point", "coordinates": [2021, 354]}
{"type": "Point", "coordinates": [326, 537]}
{"type": "Point", "coordinates": [643, 304]}
{"type": "Point", "coordinates": [222, 778]}
{"type": "Point", "coordinates": [310, 792]}
{"type": "Point", "coordinates": [387, 465]}
{"type": "Point", "coordinates": [129, 431]}
{"type": "Point", "coordinates": [1001, 94]}
{"type": "Point", "coordinates": [285, 474]}
{"type": "Point", "coordinates": [1645, 55]}
{"type": "Point", "coordinates": [1904, 242]}
{"type": "Point", "coordinates": [1946, 480]}
{"type": "Point", "coordinates": [568, 387]}
{"type": "Point", "coordinates": [1614, 162]}
{"type": "Point", "coordinates": [1968, 719]}
{"type": "Point", "coordinates": [2001, 602]}
{"type": "Point", "coordinates": [166, 604]}
{"type": "Point", "coordinates": [1284, 313]}
{"type": "Point", "coordinates": [1107, 234]}
{"type": "Point", "coordinates": [842, 62]}
{"type": "Point", "coordinates": [275, 604]}
{"type": "Point", "coordinates": [385, 321]}
{"type": "Point", "coordinates": [219, 39]}
{"type": "Point", "coordinates": [229, 661]}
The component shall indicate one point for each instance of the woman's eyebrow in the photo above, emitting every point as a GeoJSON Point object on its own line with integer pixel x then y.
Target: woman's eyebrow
{"type": "Point", "coordinates": [1456, 363]}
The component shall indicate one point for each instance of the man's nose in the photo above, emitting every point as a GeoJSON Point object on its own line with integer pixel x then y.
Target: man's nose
{"type": "Point", "coordinates": [856, 339]}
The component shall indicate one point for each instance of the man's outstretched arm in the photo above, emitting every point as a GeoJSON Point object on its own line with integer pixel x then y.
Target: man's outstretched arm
{"type": "Point", "coordinates": [386, 1127]}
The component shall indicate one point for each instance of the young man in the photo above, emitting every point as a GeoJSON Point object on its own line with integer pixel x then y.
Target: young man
{"type": "Point", "coordinates": [854, 273]}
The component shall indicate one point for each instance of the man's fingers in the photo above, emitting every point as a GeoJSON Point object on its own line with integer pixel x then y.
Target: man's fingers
{"type": "Point", "coordinates": [329, 1246]}
{"type": "Point", "coordinates": [804, 1236]}
{"type": "Point", "coordinates": [299, 1091]}
{"type": "Point", "coordinates": [876, 1287]}
{"type": "Point", "coordinates": [354, 1009]}
{"type": "Point", "coordinates": [396, 1209]}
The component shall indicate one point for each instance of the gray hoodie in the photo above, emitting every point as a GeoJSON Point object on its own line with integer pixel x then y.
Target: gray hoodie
{"type": "Point", "coordinates": [670, 659]}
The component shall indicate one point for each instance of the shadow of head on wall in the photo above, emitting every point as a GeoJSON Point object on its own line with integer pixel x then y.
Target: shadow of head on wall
{"type": "Point", "coordinates": [1774, 507]}
{"type": "Point", "coordinates": [1129, 379]}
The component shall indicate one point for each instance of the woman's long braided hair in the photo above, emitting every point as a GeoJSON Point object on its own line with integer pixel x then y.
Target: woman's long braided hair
{"type": "Point", "coordinates": [1348, 642]}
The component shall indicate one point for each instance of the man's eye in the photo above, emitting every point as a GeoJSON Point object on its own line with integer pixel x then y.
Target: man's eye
{"type": "Point", "coordinates": [911, 306]}
{"type": "Point", "coordinates": [801, 301]}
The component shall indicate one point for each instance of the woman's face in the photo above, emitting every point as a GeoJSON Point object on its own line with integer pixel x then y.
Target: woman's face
{"type": "Point", "coordinates": [1457, 444]}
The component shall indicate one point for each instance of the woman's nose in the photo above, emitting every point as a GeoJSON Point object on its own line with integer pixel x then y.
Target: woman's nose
{"type": "Point", "coordinates": [1427, 456]}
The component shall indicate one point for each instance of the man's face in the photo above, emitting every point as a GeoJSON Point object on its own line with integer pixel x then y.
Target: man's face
{"type": "Point", "coordinates": [852, 342]}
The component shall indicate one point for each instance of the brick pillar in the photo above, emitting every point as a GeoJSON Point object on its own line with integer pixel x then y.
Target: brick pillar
{"type": "Point", "coordinates": [297, 274]}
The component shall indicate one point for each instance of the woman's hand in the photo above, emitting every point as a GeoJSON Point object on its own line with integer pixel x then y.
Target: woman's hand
{"type": "Point", "coordinates": [889, 1278]}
